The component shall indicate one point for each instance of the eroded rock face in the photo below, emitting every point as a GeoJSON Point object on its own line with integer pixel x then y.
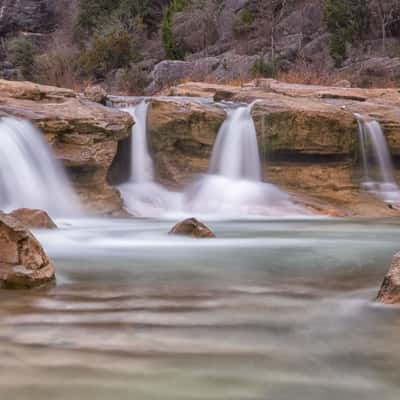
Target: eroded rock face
{"type": "Point", "coordinates": [96, 94]}
{"type": "Point", "coordinates": [27, 15]}
{"type": "Point", "coordinates": [308, 137]}
{"type": "Point", "coordinates": [193, 228]}
{"type": "Point", "coordinates": [23, 262]}
{"type": "Point", "coordinates": [83, 135]}
{"type": "Point", "coordinates": [182, 135]}
{"type": "Point", "coordinates": [33, 219]}
{"type": "Point", "coordinates": [390, 289]}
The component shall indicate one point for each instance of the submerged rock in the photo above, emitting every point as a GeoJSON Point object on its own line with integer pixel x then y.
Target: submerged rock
{"type": "Point", "coordinates": [34, 219]}
{"type": "Point", "coordinates": [192, 227]}
{"type": "Point", "coordinates": [390, 289]}
{"type": "Point", "coordinates": [23, 262]}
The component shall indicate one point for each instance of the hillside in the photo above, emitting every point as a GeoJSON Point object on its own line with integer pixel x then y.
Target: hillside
{"type": "Point", "coordinates": [139, 47]}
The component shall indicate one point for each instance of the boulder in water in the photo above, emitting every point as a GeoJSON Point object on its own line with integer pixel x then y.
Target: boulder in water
{"type": "Point", "coordinates": [33, 219]}
{"type": "Point", "coordinates": [390, 289]}
{"type": "Point", "coordinates": [23, 262]}
{"type": "Point", "coordinates": [192, 227]}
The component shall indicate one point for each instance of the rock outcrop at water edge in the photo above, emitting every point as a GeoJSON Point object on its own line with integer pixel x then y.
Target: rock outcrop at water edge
{"type": "Point", "coordinates": [23, 262]}
{"type": "Point", "coordinates": [33, 219]}
{"type": "Point", "coordinates": [84, 135]}
{"type": "Point", "coordinates": [390, 289]}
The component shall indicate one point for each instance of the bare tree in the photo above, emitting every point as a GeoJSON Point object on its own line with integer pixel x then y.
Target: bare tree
{"type": "Point", "coordinates": [388, 13]}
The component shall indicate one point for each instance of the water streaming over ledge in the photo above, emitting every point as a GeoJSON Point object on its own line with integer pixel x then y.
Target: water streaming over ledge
{"type": "Point", "coordinates": [232, 187]}
{"type": "Point", "coordinates": [378, 169]}
{"type": "Point", "coordinates": [29, 174]}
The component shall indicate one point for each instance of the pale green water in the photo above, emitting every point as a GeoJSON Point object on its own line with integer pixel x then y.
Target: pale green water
{"type": "Point", "coordinates": [271, 310]}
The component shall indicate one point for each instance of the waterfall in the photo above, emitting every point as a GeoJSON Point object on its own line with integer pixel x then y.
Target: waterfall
{"type": "Point", "coordinates": [142, 170]}
{"type": "Point", "coordinates": [30, 176]}
{"type": "Point", "coordinates": [233, 185]}
{"type": "Point", "coordinates": [142, 196]}
{"type": "Point", "coordinates": [378, 169]}
{"type": "Point", "coordinates": [235, 153]}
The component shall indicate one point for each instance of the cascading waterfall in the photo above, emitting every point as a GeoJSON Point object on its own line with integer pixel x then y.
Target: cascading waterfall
{"type": "Point", "coordinates": [142, 195]}
{"type": "Point", "coordinates": [29, 175]}
{"type": "Point", "coordinates": [378, 169]}
{"type": "Point", "coordinates": [233, 185]}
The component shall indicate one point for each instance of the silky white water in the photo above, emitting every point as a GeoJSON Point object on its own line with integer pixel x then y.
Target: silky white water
{"type": "Point", "coordinates": [142, 195]}
{"type": "Point", "coordinates": [378, 169]}
{"type": "Point", "coordinates": [29, 174]}
{"type": "Point", "coordinates": [232, 187]}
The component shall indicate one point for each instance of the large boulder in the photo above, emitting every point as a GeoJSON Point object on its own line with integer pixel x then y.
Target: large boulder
{"type": "Point", "coordinates": [23, 262]}
{"type": "Point", "coordinates": [33, 219]}
{"type": "Point", "coordinates": [390, 289]}
{"type": "Point", "coordinates": [193, 228]}
{"type": "Point", "coordinates": [84, 135]}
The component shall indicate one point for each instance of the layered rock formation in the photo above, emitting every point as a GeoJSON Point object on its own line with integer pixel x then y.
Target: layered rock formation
{"type": "Point", "coordinates": [23, 262]}
{"type": "Point", "coordinates": [84, 135]}
{"type": "Point", "coordinates": [308, 136]}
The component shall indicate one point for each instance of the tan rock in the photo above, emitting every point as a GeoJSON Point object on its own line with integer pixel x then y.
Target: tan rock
{"type": "Point", "coordinates": [96, 94]}
{"type": "Point", "coordinates": [390, 289]}
{"type": "Point", "coordinates": [33, 219]}
{"type": "Point", "coordinates": [84, 135]}
{"type": "Point", "coordinates": [23, 262]}
{"type": "Point", "coordinates": [192, 227]}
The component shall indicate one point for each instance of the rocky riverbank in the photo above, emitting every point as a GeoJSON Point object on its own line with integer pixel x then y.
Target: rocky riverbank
{"type": "Point", "coordinates": [84, 135]}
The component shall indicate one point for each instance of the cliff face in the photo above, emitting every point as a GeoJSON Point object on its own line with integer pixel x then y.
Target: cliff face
{"type": "Point", "coordinates": [84, 135]}
{"type": "Point", "coordinates": [216, 41]}
{"type": "Point", "coordinates": [308, 137]}
{"type": "Point", "coordinates": [37, 16]}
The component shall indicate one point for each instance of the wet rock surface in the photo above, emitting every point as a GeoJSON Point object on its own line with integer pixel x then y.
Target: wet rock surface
{"type": "Point", "coordinates": [23, 262]}
{"type": "Point", "coordinates": [390, 289]}
{"type": "Point", "coordinates": [33, 219]}
{"type": "Point", "coordinates": [193, 228]}
{"type": "Point", "coordinates": [84, 135]}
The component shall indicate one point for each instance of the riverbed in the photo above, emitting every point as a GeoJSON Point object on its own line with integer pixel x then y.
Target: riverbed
{"type": "Point", "coordinates": [270, 310]}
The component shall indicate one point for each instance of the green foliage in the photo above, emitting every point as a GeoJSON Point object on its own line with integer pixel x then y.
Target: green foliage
{"type": "Point", "coordinates": [346, 20]}
{"type": "Point", "coordinates": [22, 52]}
{"type": "Point", "coordinates": [170, 44]}
{"type": "Point", "coordinates": [264, 69]}
{"type": "Point", "coordinates": [107, 51]}
{"type": "Point", "coordinates": [243, 22]}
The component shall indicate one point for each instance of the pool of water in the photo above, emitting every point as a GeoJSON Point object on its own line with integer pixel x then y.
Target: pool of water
{"type": "Point", "coordinates": [271, 310]}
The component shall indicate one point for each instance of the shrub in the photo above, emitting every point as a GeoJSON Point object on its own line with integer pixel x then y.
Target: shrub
{"type": "Point", "coordinates": [171, 46]}
{"type": "Point", "coordinates": [264, 69]}
{"type": "Point", "coordinates": [21, 52]}
{"type": "Point", "coordinates": [243, 22]}
{"type": "Point", "coordinates": [346, 21]}
{"type": "Point", "coordinates": [115, 49]}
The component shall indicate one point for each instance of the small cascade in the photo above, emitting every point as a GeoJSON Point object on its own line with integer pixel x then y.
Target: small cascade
{"type": "Point", "coordinates": [29, 174]}
{"type": "Point", "coordinates": [142, 195]}
{"type": "Point", "coordinates": [235, 153]}
{"type": "Point", "coordinates": [233, 185]}
{"type": "Point", "coordinates": [378, 169]}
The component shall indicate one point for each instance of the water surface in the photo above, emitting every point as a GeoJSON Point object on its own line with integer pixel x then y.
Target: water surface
{"type": "Point", "coordinates": [272, 309]}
